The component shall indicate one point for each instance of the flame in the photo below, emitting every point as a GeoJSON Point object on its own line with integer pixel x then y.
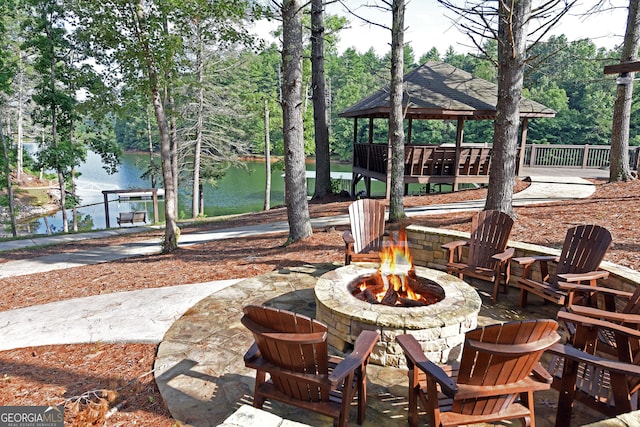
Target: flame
{"type": "Point", "coordinates": [396, 264]}
{"type": "Point", "coordinates": [395, 258]}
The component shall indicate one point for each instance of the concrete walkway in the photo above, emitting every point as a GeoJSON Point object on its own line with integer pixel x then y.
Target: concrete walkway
{"type": "Point", "coordinates": [542, 189]}
{"type": "Point", "coordinates": [141, 316]}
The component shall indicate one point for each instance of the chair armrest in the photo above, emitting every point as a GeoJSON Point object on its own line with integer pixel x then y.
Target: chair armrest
{"type": "Point", "coordinates": [348, 237]}
{"type": "Point", "coordinates": [504, 256]}
{"type": "Point", "coordinates": [598, 323]}
{"type": "Point", "coordinates": [541, 374]}
{"type": "Point", "coordinates": [532, 259]}
{"type": "Point", "coordinates": [456, 243]}
{"type": "Point", "coordinates": [579, 277]}
{"type": "Point", "coordinates": [576, 287]}
{"type": "Point", "coordinates": [416, 356]}
{"type": "Point", "coordinates": [569, 352]}
{"type": "Point", "coordinates": [609, 316]}
{"type": "Point", "coordinates": [454, 250]}
{"type": "Point", "coordinates": [361, 350]}
{"type": "Point", "coordinates": [252, 353]}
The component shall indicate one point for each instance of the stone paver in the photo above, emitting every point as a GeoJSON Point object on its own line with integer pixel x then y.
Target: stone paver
{"type": "Point", "coordinates": [202, 378]}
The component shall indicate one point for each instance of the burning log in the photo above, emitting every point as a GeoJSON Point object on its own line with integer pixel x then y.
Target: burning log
{"type": "Point", "coordinates": [407, 302]}
{"type": "Point", "coordinates": [370, 297]}
{"type": "Point", "coordinates": [395, 283]}
{"type": "Point", "coordinates": [390, 297]}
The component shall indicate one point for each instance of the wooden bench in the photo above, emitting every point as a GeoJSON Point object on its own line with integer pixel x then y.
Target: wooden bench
{"type": "Point", "coordinates": [132, 217]}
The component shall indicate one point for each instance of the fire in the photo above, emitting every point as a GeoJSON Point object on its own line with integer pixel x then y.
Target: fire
{"type": "Point", "coordinates": [396, 269]}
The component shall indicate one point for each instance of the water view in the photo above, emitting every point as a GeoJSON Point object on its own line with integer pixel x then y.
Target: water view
{"type": "Point", "coordinates": [240, 190]}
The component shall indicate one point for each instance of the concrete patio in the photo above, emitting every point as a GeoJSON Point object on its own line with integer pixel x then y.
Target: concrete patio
{"type": "Point", "coordinates": [202, 377]}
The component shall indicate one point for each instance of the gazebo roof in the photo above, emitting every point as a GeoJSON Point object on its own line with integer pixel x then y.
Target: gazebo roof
{"type": "Point", "coordinates": [436, 90]}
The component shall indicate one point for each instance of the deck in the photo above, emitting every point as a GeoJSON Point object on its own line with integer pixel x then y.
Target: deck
{"type": "Point", "coordinates": [425, 164]}
{"type": "Point", "coordinates": [470, 164]}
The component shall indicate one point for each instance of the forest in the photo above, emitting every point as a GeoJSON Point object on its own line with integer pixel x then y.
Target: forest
{"type": "Point", "coordinates": [240, 80]}
{"type": "Point", "coordinates": [78, 75]}
{"type": "Point", "coordinates": [568, 79]}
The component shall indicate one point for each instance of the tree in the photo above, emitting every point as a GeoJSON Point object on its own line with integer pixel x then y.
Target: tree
{"type": "Point", "coordinates": [567, 77]}
{"type": "Point", "coordinates": [7, 71]}
{"type": "Point", "coordinates": [295, 179]}
{"type": "Point", "coordinates": [395, 184]}
{"type": "Point", "coordinates": [7, 175]}
{"type": "Point", "coordinates": [267, 158]}
{"type": "Point", "coordinates": [208, 127]}
{"type": "Point", "coordinates": [619, 166]}
{"type": "Point", "coordinates": [139, 39]}
{"type": "Point", "coordinates": [55, 93]}
{"type": "Point", "coordinates": [396, 114]}
{"type": "Point", "coordinates": [512, 20]}
{"type": "Point", "coordinates": [512, 36]}
{"type": "Point", "coordinates": [323, 166]}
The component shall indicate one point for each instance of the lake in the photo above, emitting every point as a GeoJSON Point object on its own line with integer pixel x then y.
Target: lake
{"type": "Point", "coordinates": [241, 190]}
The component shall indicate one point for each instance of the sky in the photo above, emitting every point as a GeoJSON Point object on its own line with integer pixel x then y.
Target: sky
{"type": "Point", "coordinates": [428, 25]}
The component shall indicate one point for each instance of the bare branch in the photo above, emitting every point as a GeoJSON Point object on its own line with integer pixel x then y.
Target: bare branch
{"type": "Point", "coordinates": [365, 20]}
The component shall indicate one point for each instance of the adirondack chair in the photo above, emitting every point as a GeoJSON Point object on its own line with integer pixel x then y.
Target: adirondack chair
{"type": "Point", "coordinates": [364, 241]}
{"type": "Point", "coordinates": [611, 305]}
{"type": "Point", "coordinates": [488, 257]}
{"type": "Point", "coordinates": [292, 349]}
{"type": "Point", "coordinates": [581, 373]}
{"type": "Point", "coordinates": [583, 249]}
{"type": "Point", "coordinates": [496, 368]}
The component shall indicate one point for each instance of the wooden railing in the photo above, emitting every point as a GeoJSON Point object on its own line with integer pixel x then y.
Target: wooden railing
{"type": "Point", "coordinates": [470, 164]}
{"type": "Point", "coordinates": [574, 156]}
{"type": "Point", "coordinates": [426, 160]}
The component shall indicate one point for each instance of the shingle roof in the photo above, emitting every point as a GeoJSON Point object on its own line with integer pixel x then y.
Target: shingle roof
{"type": "Point", "coordinates": [436, 90]}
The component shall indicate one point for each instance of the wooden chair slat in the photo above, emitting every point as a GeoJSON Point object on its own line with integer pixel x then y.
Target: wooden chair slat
{"type": "Point", "coordinates": [490, 378]}
{"type": "Point", "coordinates": [608, 382]}
{"type": "Point", "coordinates": [582, 252]}
{"type": "Point", "coordinates": [364, 241]}
{"type": "Point", "coordinates": [490, 232]}
{"type": "Point", "coordinates": [292, 349]}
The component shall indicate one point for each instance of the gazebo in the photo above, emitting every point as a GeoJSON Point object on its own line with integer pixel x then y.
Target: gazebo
{"type": "Point", "coordinates": [434, 91]}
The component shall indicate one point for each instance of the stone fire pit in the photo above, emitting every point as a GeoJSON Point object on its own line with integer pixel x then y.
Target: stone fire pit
{"type": "Point", "coordinates": [439, 327]}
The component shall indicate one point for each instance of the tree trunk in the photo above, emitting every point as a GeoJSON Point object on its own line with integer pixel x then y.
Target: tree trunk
{"type": "Point", "coordinates": [173, 138]}
{"type": "Point", "coordinates": [54, 142]}
{"type": "Point", "coordinates": [294, 165]}
{"type": "Point", "coordinates": [396, 116]}
{"type": "Point", "coordinates": [323, 160]}
{"type": "Point", "coordinates": [619, 169]}
{"type": "Point", "coordinates": [7, 173]}
{"type": "Point", "coordinates": [74, 210]}
{"type": "Point", "coordinates": [267, 157]}
{"type": "Point", "coordinates": [170, 113]}
{"type": "Point", "coordinates": [19, 159]}
{"type": "Point", "coordinates": [195, 207]}
{"type": "Point", "coordinates": [171, 232]}
{"type": "Point", "coordinates": [512, 33]}
{"type": "Point", "coordinates": [150, 141]}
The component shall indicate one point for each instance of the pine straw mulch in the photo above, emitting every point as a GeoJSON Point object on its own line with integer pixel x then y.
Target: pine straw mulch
{"type": "Point", "coordinates": [112, 384]}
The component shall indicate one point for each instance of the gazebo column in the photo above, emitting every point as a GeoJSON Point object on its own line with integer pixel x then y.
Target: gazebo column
{"type": "Point", "coordinates": [408, 142]}
{"type": "Point", "coordinates": [523, 144]}
{"type": "Point", "coordinates": [353, 157]}
{"type": "Point", "coordinates": [459, 139]}
{"type": "Point", "coordinates": [367, 179]}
